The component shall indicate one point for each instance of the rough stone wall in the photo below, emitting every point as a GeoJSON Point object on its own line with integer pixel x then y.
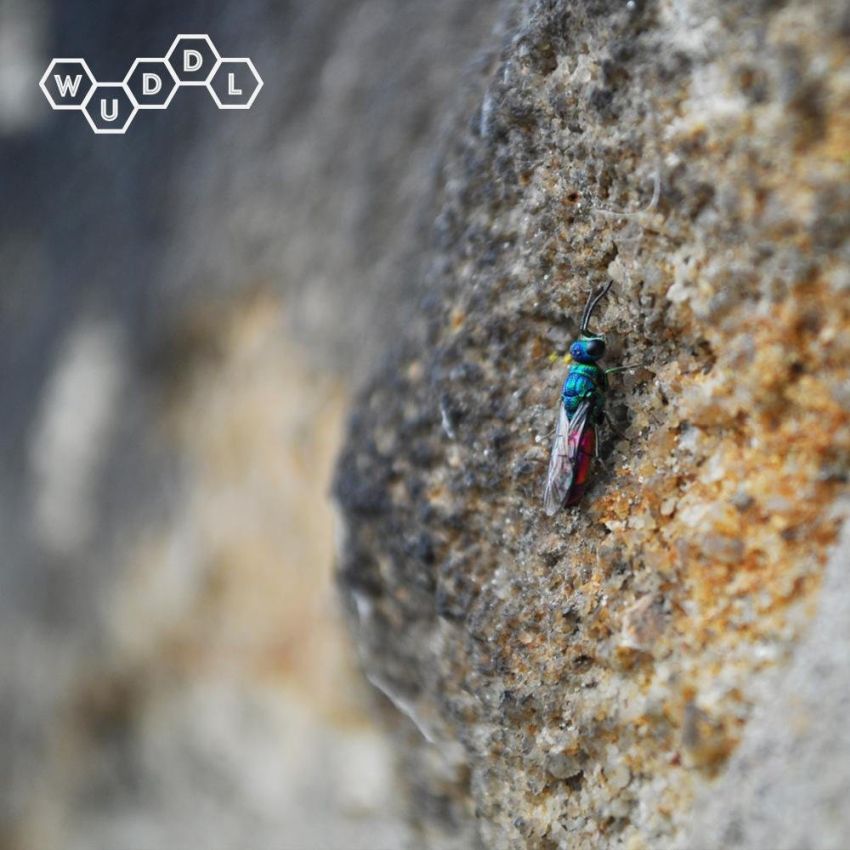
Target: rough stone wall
{"type": "Point", "coordinates": [585, 681]}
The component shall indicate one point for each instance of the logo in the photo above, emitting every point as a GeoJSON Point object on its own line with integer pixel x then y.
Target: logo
{"type": "Point", "coordinates": [151, 84]}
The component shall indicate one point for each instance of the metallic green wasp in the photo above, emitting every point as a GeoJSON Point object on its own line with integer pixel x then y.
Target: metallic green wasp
{"type": "Point", "coordinates": [581, 411]}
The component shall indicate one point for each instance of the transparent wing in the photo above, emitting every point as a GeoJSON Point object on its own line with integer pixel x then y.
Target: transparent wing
{"type": "Point", "coordinates": [562, 460]}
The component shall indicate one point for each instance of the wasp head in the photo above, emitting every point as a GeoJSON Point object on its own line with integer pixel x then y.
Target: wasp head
{"type": "Point", "coordinates": [588, 349]}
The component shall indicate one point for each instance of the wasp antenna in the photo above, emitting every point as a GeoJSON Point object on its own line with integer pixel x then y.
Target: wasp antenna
{"type": "Point", "coordinates": [585, 316]}
{"type": "Point", "coordinates": [595, 297]}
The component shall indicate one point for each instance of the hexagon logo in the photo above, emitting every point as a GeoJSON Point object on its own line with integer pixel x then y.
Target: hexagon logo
{"type": "Point", "coordinates": [67, 83]}
{"type": "Point", "coordinates": [193, 59]}
{"type": "Point", "coordinates": [151, 83]}
{"type": "Point", "coordinates": [110, 109]}
{"type": "Point", "coordinates": [235, 84]}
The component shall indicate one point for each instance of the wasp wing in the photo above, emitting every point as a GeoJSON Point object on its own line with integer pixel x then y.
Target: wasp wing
{"type": "Point", "coordinates": [562, 460]}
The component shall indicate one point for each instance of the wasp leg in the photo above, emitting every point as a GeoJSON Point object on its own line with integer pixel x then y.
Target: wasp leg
{"type": "Point", "coordinates": [599, 459]}
{"type": "Point", "coordinates": [598, 456]}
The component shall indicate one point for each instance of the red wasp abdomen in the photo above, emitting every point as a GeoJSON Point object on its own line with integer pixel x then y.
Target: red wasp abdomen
{"type": "Point", "coordinates": [586, 451]}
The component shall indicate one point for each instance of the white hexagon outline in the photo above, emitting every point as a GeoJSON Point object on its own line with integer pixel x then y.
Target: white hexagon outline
{"type": "Point", "coordinates": [97, 130]}
{"type": "Point", "coordinates": [42, 83]}
{"type": "Point", "coordinates": [203, 37]}
{"type": "Point", "coordinates": [170, 71]}
{"type": "Point", "coordinates": [254, 71]}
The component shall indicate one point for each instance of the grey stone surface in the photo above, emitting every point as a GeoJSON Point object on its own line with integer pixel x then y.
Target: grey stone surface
{"type": "Point", "coordinates": [787, 785]}
{"type": "Point", "coordinates": [582, 682]}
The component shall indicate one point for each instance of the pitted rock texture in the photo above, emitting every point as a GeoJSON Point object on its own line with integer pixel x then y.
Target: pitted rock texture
{"type": "Point", "coordinates": [582, 682]}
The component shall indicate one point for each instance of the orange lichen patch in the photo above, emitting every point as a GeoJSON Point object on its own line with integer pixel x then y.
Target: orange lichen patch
{"type": "Point", "coordinates": [739, 517]}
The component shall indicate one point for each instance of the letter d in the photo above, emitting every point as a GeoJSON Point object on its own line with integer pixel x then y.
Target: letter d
{"type": "Point", "coordinates": [151, 83]}
{"type": "Point", "coordinates": [192, 60]}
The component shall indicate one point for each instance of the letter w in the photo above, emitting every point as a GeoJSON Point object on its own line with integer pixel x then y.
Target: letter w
{"type": "Point", "coordinates": [66, 85]}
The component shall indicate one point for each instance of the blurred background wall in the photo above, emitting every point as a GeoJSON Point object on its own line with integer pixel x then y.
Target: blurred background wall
{"type": "Point", "coordinates": [185, 311]}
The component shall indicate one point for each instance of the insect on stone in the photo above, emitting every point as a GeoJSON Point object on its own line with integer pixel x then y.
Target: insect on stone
{"type": "Point", "coordinates": [580, 411]}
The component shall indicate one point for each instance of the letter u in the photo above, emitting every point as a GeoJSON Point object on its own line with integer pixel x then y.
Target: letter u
{"type": "Point", "coordinates": [114, 113]}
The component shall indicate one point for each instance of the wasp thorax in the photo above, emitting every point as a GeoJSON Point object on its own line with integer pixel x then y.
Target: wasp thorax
{"type": "Point", "coordinates": [587, 350]}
